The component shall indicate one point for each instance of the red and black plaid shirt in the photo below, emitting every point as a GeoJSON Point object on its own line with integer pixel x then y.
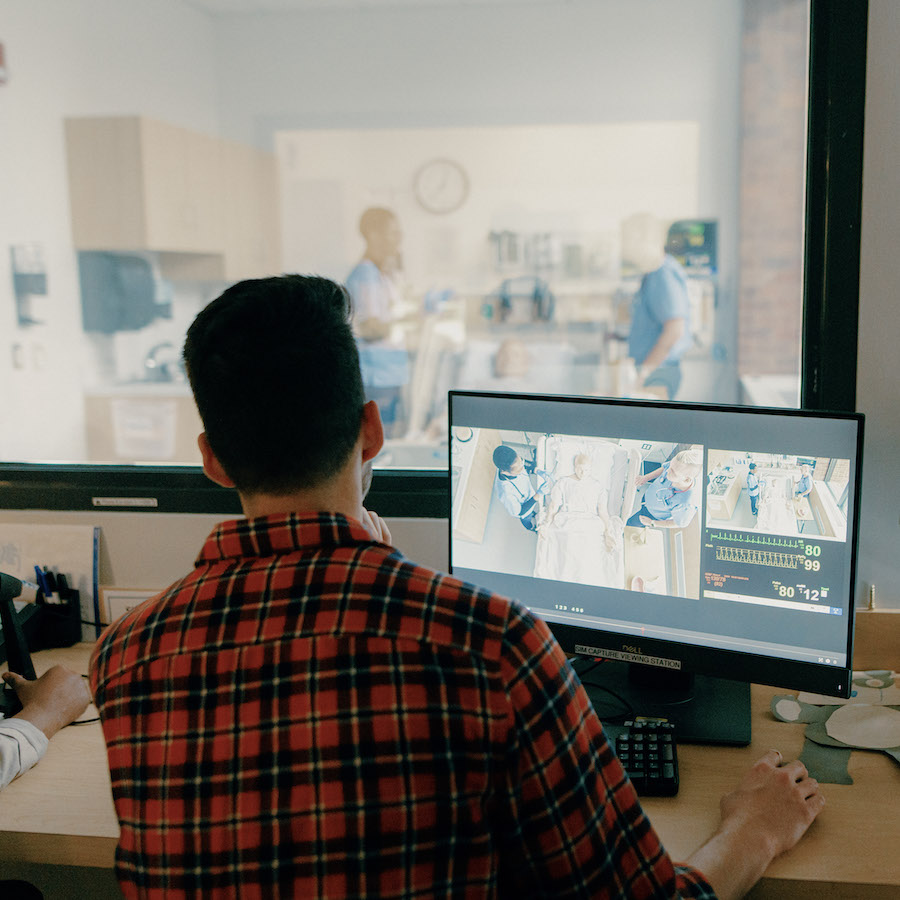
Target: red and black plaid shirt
{"type": "Point", "coordinates": [309, 714]}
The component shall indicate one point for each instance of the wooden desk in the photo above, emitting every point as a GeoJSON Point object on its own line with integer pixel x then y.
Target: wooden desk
{"type": "Point", "coordinates": [851, 850]}
{"type": "Point", "coordinates": [61, 812]}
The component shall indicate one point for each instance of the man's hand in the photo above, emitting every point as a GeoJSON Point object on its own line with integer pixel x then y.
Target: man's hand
{"type": "Point", "coordinates": [376, 526]}
{"type": "Point", "coordinates": [765, 815]}
{"type": "Point", "coordinates": [50, 702]}
{"type": "Point", "coordinates": [780, 801]}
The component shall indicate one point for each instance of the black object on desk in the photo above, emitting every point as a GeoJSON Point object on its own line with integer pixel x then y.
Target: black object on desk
{"type": "Point", "coordinates": [14, 644]}
{"type": "Point", "coordinates": [59, 622]}
{"type": "Point", "coordinates": [649, 755]}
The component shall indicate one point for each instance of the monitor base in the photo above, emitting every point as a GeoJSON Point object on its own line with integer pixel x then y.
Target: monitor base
{"type": "Point", "coordinates": [705, 710]}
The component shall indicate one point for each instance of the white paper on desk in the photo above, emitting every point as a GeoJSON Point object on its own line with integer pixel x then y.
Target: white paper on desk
{"type": "Point", "coordinates": [70, 550]}
{"type": "Point", "coordinates": [872, 687]}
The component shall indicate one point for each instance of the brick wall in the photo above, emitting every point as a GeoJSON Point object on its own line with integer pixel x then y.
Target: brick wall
{"type": "Point", "coordinates": [773, 124]}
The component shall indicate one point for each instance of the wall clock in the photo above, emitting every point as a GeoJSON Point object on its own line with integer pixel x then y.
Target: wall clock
{"type": "Point", "coordinates": [441, 186]}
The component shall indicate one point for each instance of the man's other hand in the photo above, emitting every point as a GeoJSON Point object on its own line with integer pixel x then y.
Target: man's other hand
{"type": "Point", "coordinates": [50, 702]}
{"type": "Point", "coordinates": [376, 526]}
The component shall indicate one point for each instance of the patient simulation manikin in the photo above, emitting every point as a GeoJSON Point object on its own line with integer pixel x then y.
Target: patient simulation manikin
{"type": "Point", "coordinates": [580, 542]}
{"type": "Point", "coordinates": [776, 511]}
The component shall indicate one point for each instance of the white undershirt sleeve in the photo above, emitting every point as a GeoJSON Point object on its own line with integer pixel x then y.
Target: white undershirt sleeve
{"type": "Point", "coordinates": [21, 746]}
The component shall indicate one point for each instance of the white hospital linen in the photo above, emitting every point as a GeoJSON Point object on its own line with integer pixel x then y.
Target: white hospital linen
{"type": "Point", "coordinates": [776, 511]}
{"type": "Point", "coordinates": [573, 547]}
{"type": "Point", "coordinates": [584, 495]}
{"type": "Point", "coordinates": [21, 746]}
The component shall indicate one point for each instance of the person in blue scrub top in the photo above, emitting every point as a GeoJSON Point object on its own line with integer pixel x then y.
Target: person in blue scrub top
{"type": "Point", "coordinates": [660, 311]}
{"type": "Point", "coordinates": [514, 488]}
{"type": "Point", "coordinates": [753, 483]}
{"type": "Point", "coordinates": [672, 493]}
{"type": "Point", "coordinates": [373, 285]}
{"type": "Point", "coordinates": [804, 485]}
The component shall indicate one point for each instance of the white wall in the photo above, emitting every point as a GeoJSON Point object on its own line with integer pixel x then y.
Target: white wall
{"type": "Point", "coordinates": [59, 56]}
{"type": "Point", "coordinates": [150, 552]}
{"type": "Point", "coordinates": [499, 64]}
{"type": "Point", "coordinates": [878, 376]}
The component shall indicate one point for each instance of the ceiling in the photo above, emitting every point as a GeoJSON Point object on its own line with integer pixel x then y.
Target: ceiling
{"type": "Point", "coordinates": [225, 7]}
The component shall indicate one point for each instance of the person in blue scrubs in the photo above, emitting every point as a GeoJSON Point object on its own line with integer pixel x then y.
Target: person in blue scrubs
{"type": "Point", "coordinates": [804, 485]}
{"type": "Point", "coordinates": [753, 489]}
{"type": "Point", "coordinates": [672, 493]}
{"type": "Point", "coordinates": [384, 361]}
{"type": "Point", "coordinates": [660, 311]}
{"type": "Point", "coordinates": [514, 488]}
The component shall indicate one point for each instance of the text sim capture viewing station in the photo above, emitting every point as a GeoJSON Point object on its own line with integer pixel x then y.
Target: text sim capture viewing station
{"type": "Point", "coordinates": [694, 549]}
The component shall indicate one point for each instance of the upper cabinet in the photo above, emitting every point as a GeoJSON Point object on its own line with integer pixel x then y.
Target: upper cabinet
{"type": "Point", "coordinates": [208, 206]}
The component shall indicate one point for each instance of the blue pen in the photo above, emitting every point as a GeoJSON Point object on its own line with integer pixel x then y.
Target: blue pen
{"type": "Point", "coordinates": [44, 585]}
{"type": "Point", "coordinates": [39, 577]}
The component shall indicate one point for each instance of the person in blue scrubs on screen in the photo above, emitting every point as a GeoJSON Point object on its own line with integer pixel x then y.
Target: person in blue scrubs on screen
{"type": "Point", "coordinates": [804, 485]}
{"type": "Point", "coordinates": [672, 493]}
{"type": "Point", "coordinates": [660, 312]}
{"type": "Point", "coordinates": [753, 484]}
{"type": "Point", "coordinates": [514, 488]}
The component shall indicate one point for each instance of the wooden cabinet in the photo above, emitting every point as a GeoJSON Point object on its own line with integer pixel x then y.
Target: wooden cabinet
{"type": "Point", "coordinates": [146, 423]}
{"type": "Point", "coordinates": [207, 206]}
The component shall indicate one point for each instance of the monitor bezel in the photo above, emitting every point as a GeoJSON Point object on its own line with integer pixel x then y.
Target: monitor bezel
{"type": "Point", "coordinates": [743, 666]}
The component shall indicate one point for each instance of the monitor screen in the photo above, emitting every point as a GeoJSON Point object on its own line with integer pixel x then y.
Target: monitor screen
{"type": "Point", "coordinates": [682, 539]}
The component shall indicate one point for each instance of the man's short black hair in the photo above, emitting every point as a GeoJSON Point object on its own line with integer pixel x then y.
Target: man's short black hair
{"type": "Point", "coordinates": [275, 373]}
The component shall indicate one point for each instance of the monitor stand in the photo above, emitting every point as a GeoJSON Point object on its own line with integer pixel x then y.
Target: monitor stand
{"type": "Point", "coordinates": [705, 710]}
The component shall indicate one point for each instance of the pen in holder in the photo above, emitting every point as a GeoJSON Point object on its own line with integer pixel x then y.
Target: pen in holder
{"type": "Point", "coordinates": [60, 624]}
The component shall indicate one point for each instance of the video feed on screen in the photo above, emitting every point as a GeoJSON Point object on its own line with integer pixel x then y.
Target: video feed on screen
{"type": "Point", "coordinates": [777, 494]}
{"type": "Point", "coordinates": [604, 511]}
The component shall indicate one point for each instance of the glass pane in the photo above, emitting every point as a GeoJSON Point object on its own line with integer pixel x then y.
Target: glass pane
{"type": "Point", "coordinates": [588, 198]}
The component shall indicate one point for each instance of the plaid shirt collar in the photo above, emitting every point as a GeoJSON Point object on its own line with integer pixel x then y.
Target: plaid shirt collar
{"type": "Point", "coordinates": [281, 533]}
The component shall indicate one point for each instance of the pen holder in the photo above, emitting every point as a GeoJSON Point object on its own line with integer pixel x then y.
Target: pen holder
{"type": "Point", "coordinates": [60, 623]}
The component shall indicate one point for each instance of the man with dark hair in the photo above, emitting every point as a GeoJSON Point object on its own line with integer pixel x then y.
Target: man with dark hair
{"type": "Point", "coordinates": [268, 445]}
{"type": "Point", "coordinates": [308, 713]}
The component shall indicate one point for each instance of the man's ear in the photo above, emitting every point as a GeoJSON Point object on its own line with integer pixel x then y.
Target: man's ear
{"type": "Point", "coordinates": [211, 465]}
{"type": "Point", "coordinates": [371, 431]}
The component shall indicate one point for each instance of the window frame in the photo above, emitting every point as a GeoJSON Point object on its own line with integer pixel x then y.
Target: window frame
{"type": "Point", "coordinates": [835, 124]}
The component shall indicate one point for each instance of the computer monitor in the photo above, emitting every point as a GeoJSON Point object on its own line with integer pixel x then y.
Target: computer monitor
{"type": "Point", "coordinates": [695, 549]}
